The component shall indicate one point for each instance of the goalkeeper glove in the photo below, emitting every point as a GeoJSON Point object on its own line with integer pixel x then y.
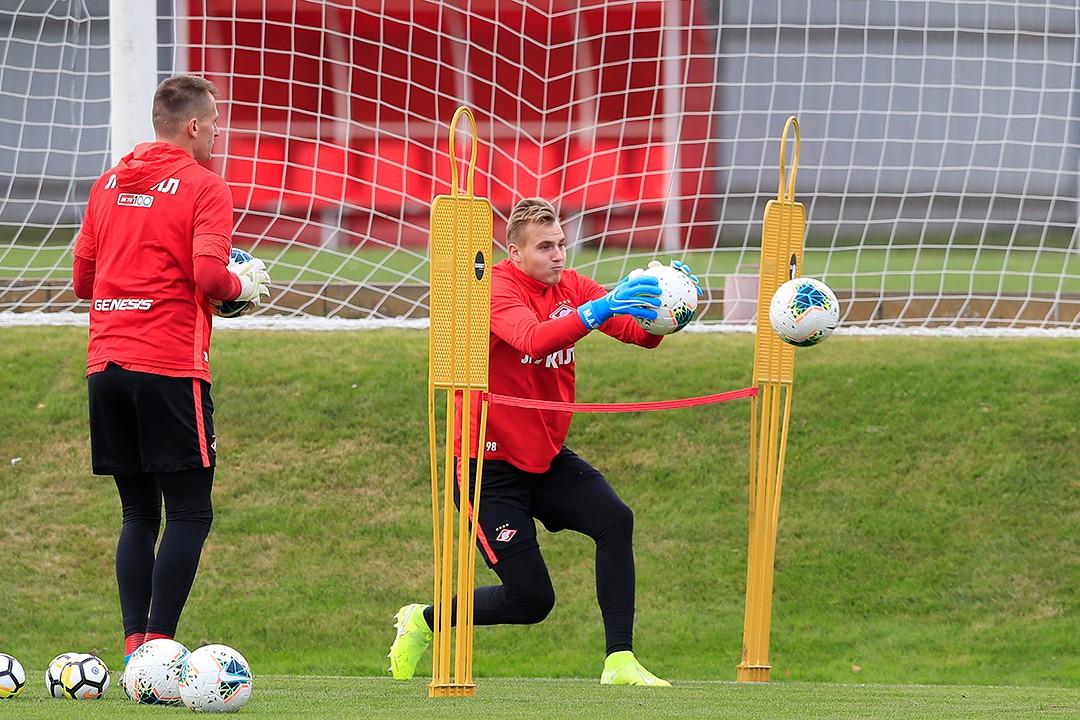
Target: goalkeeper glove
{"type": "Point", "coordinates": [254, 280]}
{"type": "Point", "coordinates": [638, 296]}
{"type": "Point", "coordinates": [685, 270]}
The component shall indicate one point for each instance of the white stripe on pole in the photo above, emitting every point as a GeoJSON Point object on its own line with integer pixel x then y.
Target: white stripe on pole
{"type": "Point", "coordinates": [133, 73]}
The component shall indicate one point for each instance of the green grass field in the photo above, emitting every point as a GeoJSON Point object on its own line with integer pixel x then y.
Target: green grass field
{"type": "Point", "coordinates": [351, 697]}
{"type": "Point", "coordinates": [930, 528]}
{"type": "Point", "coordinates": [931, 269]}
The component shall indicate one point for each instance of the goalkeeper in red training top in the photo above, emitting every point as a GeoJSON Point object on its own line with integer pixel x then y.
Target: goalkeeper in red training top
{"type": "Point", "coordinates": [539, 309]}
{"type": "Point", "coordinates": [152, 253]}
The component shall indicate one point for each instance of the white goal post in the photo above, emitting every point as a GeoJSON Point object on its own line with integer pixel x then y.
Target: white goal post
{"type": "Point", "coordinates": [940, 162]}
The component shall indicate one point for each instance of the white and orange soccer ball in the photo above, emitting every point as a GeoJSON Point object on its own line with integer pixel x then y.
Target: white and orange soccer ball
{"type": "Point", "coordinates": [678, 299]}
{"type": "Point", "coordinates": [152, 675]}
{"type": "Point", "coordinates": [804, 311]}
{"type": "Point", "coordinates": [12, 677]}
{"type": "Point", "coordinates": [215, 678]}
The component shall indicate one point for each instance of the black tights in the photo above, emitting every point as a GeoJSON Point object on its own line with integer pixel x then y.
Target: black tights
{"type": "Point", "coordinates": [153, 590]}
{"type": "Point", "coordinates": [526, 595]}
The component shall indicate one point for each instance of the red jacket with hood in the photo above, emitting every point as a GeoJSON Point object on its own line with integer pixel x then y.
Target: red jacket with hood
{"type": "Point", "coordinates": [155, 239]}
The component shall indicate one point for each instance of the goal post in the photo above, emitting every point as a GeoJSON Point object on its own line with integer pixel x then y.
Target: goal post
{"type": "Point", "coordinates": [133, 63]}
{"type": "Point", "coordinates": [942, 153]}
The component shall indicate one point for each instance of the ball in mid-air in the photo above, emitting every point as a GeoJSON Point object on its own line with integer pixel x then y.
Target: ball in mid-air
{"type": "Point", "coordinates": [678, 299]}
{"type": "Point", "coordinates": [215, 678]}
{"type": "Point", "coordinates": [804, 311]}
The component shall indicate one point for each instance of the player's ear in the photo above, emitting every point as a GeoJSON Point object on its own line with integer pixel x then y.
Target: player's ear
{"type": "Point", "coordinates": [514, 252]}
{"type": "Point", "coordinates": [193, 127]}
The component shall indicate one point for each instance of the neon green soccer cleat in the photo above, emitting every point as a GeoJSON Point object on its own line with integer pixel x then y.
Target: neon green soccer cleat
{"type": "Point", "coordinates": [413, 637]}
{"type": "Point", "coordinates": [622, 668]}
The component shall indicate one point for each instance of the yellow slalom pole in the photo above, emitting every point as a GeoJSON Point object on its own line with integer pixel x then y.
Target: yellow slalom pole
{"type": "Point", "coordinates": [460, 301]}
{"type": "Point", "coordinates": [774, 365]}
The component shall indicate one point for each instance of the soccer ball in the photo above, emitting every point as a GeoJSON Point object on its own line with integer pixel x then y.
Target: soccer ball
{"type": "Point", "coordinates": [804, 311]}
{"type": "Point", "coordinates": [233, 308]}
{"type": "Point", "coordinates": [678, 299]}
{"type": "Point", "coordinates": [52, 673]}
{"type": "Point", "coordinates": [152, 676]}
{"type": "Point", "coordinates": [12, 677]}
{"type": "Point", "coordinates": [215, 678]}
{"type": "Point", "coordinates": [84, 677]}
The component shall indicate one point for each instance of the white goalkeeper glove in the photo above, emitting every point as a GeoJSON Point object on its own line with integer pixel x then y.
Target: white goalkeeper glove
{"type": "Point", "coordinates": [254, 280]}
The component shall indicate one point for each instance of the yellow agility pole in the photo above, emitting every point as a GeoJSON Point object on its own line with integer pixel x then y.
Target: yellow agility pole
{"type": "Point", "coordinates": [461, 232]}
{"type": "Point", "coordinates": [774, 366]}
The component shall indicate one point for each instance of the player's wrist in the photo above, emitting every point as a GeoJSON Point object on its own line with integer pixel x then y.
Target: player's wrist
{"type": "Point", "coordinates": [247, 289]}
{"type": "Point", "coordinates": [595, 313]}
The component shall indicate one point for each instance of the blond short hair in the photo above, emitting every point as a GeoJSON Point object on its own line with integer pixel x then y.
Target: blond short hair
{"type": "Point", "coordinates": [530, 211]}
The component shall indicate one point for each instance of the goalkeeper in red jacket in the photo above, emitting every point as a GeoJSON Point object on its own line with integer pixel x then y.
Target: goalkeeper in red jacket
{"type": "Point", "coordinates": [539, 309]}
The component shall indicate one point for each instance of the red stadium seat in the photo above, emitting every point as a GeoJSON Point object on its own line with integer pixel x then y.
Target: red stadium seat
{"type": "Point", "coordinates": [592, 174]}
{"type": "Point", "coordinates": [396, 175]}
{"type": "Point", "coordinates": [627, 176]}
{"type": "Point", "coordinates": [318, 176]}
{"type": "Point", "coordinates": [644, 175]}
{"type": "Point", "coordinates": [255, 170]}
{"type": "Point", "coordinates": [524, 168]}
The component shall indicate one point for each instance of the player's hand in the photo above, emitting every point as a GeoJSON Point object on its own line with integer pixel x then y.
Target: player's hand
{"type": "Point", "coordinates": [254, 280]}
{"type": "Point", "coordinates": [636, 295]}
{"type": "Point", "coordinates": [685, 270]}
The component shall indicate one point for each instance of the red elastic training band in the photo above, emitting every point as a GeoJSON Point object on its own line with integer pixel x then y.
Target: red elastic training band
{"type": "Point", "coordinates": [494, 399]}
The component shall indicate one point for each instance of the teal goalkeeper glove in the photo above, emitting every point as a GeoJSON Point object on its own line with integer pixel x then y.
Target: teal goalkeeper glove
{"type": "Point", "coordinates": [635, 296]}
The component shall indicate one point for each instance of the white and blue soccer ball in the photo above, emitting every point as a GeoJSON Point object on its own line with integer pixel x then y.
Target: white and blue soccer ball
{"type": "Point", "coordinates": [678, 299]}
{"type": "Point", "coordinates": [215, 678]}
{"type": "Point", "coordinates": [804, 311]}
{"type": "Point", "coordinates": [234, 308]}
{"type": "Point", "coordinates": [84, 677]}
{"type": "Point", "coordinates": [53, 685]}
{"type": "Point", "coordinates": [152, 675]}
{"type": "Point", "coordinates": [12, 677]}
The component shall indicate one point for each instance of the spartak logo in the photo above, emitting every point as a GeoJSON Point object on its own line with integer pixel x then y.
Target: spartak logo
{"type": "Point", "coordinates": [562, 311]}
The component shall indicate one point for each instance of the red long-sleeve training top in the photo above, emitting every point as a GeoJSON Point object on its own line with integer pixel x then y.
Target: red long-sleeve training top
{"type": "Point", "coordinates": [152, 251]}
{"type": "Point", "coordinates": [533, 330]}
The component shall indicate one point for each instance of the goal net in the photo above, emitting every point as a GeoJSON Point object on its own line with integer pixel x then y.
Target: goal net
{"type": "Point", "coordinates": [939, 162]}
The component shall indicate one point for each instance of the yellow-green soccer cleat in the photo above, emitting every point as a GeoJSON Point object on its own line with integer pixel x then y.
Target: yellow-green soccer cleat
{"type": "Point", "coordinates": [413, 637]}
{"type": "Point", "coordinates": [622, 668]}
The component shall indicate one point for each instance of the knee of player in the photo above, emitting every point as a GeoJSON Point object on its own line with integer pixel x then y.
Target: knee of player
{"type": "Point", "coordinates": [200, 516]}
{"type": "Point", "coordinates": [147, 517]}
{"type": "Point", "coordinates": [620, 520]}
{"type": "Point", "coordinates": [537, 604]}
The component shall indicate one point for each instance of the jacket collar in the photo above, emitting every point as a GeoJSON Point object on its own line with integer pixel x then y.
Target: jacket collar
{"type": "Point", "coordinates": [531, 284]}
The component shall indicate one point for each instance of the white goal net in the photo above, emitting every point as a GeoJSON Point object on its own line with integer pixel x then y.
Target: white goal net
{"type": "Point", "coordinates": [939, 163]}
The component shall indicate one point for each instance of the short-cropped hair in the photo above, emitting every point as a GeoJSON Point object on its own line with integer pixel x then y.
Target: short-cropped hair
{"type": "Point", "coordinates": [177, 100]}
